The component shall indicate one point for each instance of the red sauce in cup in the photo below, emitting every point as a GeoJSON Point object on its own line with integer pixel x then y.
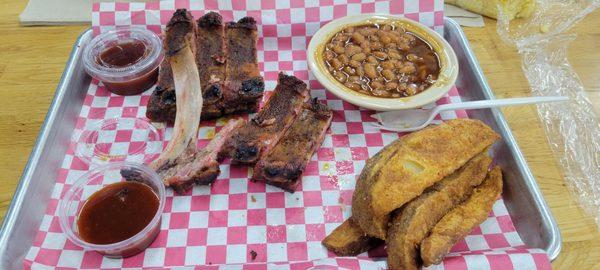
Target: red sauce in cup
{"type": "Point", "coordinates": [125, 55]}
{"type": "Point", "coordinates": [117, 212]}
{"type": "Point", "coordinates": [121, 218]}
{"type": "Point", "coordinates": [122, 55]}
{"type": "Point", "coordinates": [126, 60]}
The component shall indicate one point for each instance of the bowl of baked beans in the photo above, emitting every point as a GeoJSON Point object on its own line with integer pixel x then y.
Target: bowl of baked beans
{"type": "Point", "coordinates": [382, 62]}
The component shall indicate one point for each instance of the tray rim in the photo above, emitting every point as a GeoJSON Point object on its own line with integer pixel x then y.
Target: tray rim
{"type": "Point", "coordinates": [13, 211]}
{"type": "Point", "coordinates": [555, 244]}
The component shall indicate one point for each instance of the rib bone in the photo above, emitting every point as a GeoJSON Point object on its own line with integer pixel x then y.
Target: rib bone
{"type": "Point", "coordinates": [180, 49]}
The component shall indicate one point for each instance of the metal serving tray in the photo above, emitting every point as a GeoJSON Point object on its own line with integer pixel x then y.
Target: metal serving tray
{"type": "Point", "coordinates": [528, 210]}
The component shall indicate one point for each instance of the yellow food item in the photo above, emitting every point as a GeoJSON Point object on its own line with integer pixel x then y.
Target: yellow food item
{"type": "Point", "coordinates": [404, 169]}
{"type": "Point", "coordinates": [512, 8]}
{"type": "Point", "coordinates": [349, 240]}
{"type": "Point", "coordinates": [414, 221]}
{"type": "Point", "coordinates": [461, 220]}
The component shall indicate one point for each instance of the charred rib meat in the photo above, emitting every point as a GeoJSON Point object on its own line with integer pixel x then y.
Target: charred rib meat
{"type": "Point", "coordinates": [264, 130]}
{"type": "Point", "coordinates": [283, 165]}
{"type": "Point", "coordinates": [202, 167]}
{"type": "Point", "coordinates": [243, 80]}
{"type": "Point", "coordinates": [210, 58]}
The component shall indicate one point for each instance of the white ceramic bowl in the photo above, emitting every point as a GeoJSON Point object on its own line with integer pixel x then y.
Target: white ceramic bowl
{"type": "Point", "coordinates": [447, 58]}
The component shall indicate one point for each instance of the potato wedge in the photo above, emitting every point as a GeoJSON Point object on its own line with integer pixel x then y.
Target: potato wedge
{"type": "Point", "coordinates": [403, 170]}
{"type": "Point", "coordinates": [414, 221]}
{"type": "Point", "coordinates": [461, 220]}
{"type": "Point", "coordinates": [349, 240]}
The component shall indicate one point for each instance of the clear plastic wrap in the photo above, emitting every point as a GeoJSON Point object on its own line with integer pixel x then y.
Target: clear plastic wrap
{"type": "Point", "coordinates": [572, 128]}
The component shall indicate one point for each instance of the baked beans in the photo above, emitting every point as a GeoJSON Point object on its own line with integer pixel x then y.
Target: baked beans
{"type": "Point", "coordinates": [381, 60]}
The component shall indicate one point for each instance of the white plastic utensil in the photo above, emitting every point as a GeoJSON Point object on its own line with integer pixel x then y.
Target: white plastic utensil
{"type": "Point", "coordinates": [415, 119]}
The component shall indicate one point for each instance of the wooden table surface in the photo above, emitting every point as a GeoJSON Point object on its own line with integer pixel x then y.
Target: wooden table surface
{"type": "Point", "coordinates": [32, 60]}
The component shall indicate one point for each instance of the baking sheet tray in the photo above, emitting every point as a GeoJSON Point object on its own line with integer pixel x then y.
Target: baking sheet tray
{"type": "Point", "coordinates": [529, 212]}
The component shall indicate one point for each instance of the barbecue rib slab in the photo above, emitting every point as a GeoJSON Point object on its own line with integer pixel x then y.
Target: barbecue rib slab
{"type": "Point", "coordinates": [271, 122]}
{"type": "Point", "coordinates": [212, 61]}
{"type": "Point", "coordinates": [283, 165]}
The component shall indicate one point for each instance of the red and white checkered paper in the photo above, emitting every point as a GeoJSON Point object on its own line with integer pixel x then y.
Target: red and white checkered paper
{"type": "Point", "coordinates": [217, 227]}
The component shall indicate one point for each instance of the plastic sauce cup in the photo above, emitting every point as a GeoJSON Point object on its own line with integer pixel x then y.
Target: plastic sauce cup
{"type": "Point", "coordinates": [70, 206]}
{"type": "Point", "coordinates": [126, 60]}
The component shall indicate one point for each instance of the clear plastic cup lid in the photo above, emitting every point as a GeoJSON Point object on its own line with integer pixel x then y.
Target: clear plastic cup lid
{"type": "Point", "coordinates": [119, 139]}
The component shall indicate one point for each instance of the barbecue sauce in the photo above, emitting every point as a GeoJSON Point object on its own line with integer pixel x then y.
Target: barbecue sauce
{"type": "Point", "coordinates": [122, 55]}
{"type": "Point", "coordinates": [117, 212]}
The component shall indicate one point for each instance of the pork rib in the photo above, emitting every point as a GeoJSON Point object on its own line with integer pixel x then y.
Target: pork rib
{"type": "Point", "coordinates": [202, 167]}
{"type": "Point", "coordinates": [243, 80]}
{"type": "Point", "coordinates": [283, 165]}
{"type": "Point", "coordinates": [210, 58]}
{"type": "Point", "coordinates": [265, 129]}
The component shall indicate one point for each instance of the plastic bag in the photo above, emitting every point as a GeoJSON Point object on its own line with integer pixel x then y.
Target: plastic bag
{"type": "Point", "coordinates": [572, 128]}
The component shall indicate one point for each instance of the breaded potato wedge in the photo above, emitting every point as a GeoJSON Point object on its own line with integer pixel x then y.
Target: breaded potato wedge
{"type": "Point", "coordinates": [412, 164]}
{"type": "Point", "coordinates": [349, 240]}
{"type": "Point", "coordinates": [461, 220]}
{"type": "Point", "coordinates": [413, 222]}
